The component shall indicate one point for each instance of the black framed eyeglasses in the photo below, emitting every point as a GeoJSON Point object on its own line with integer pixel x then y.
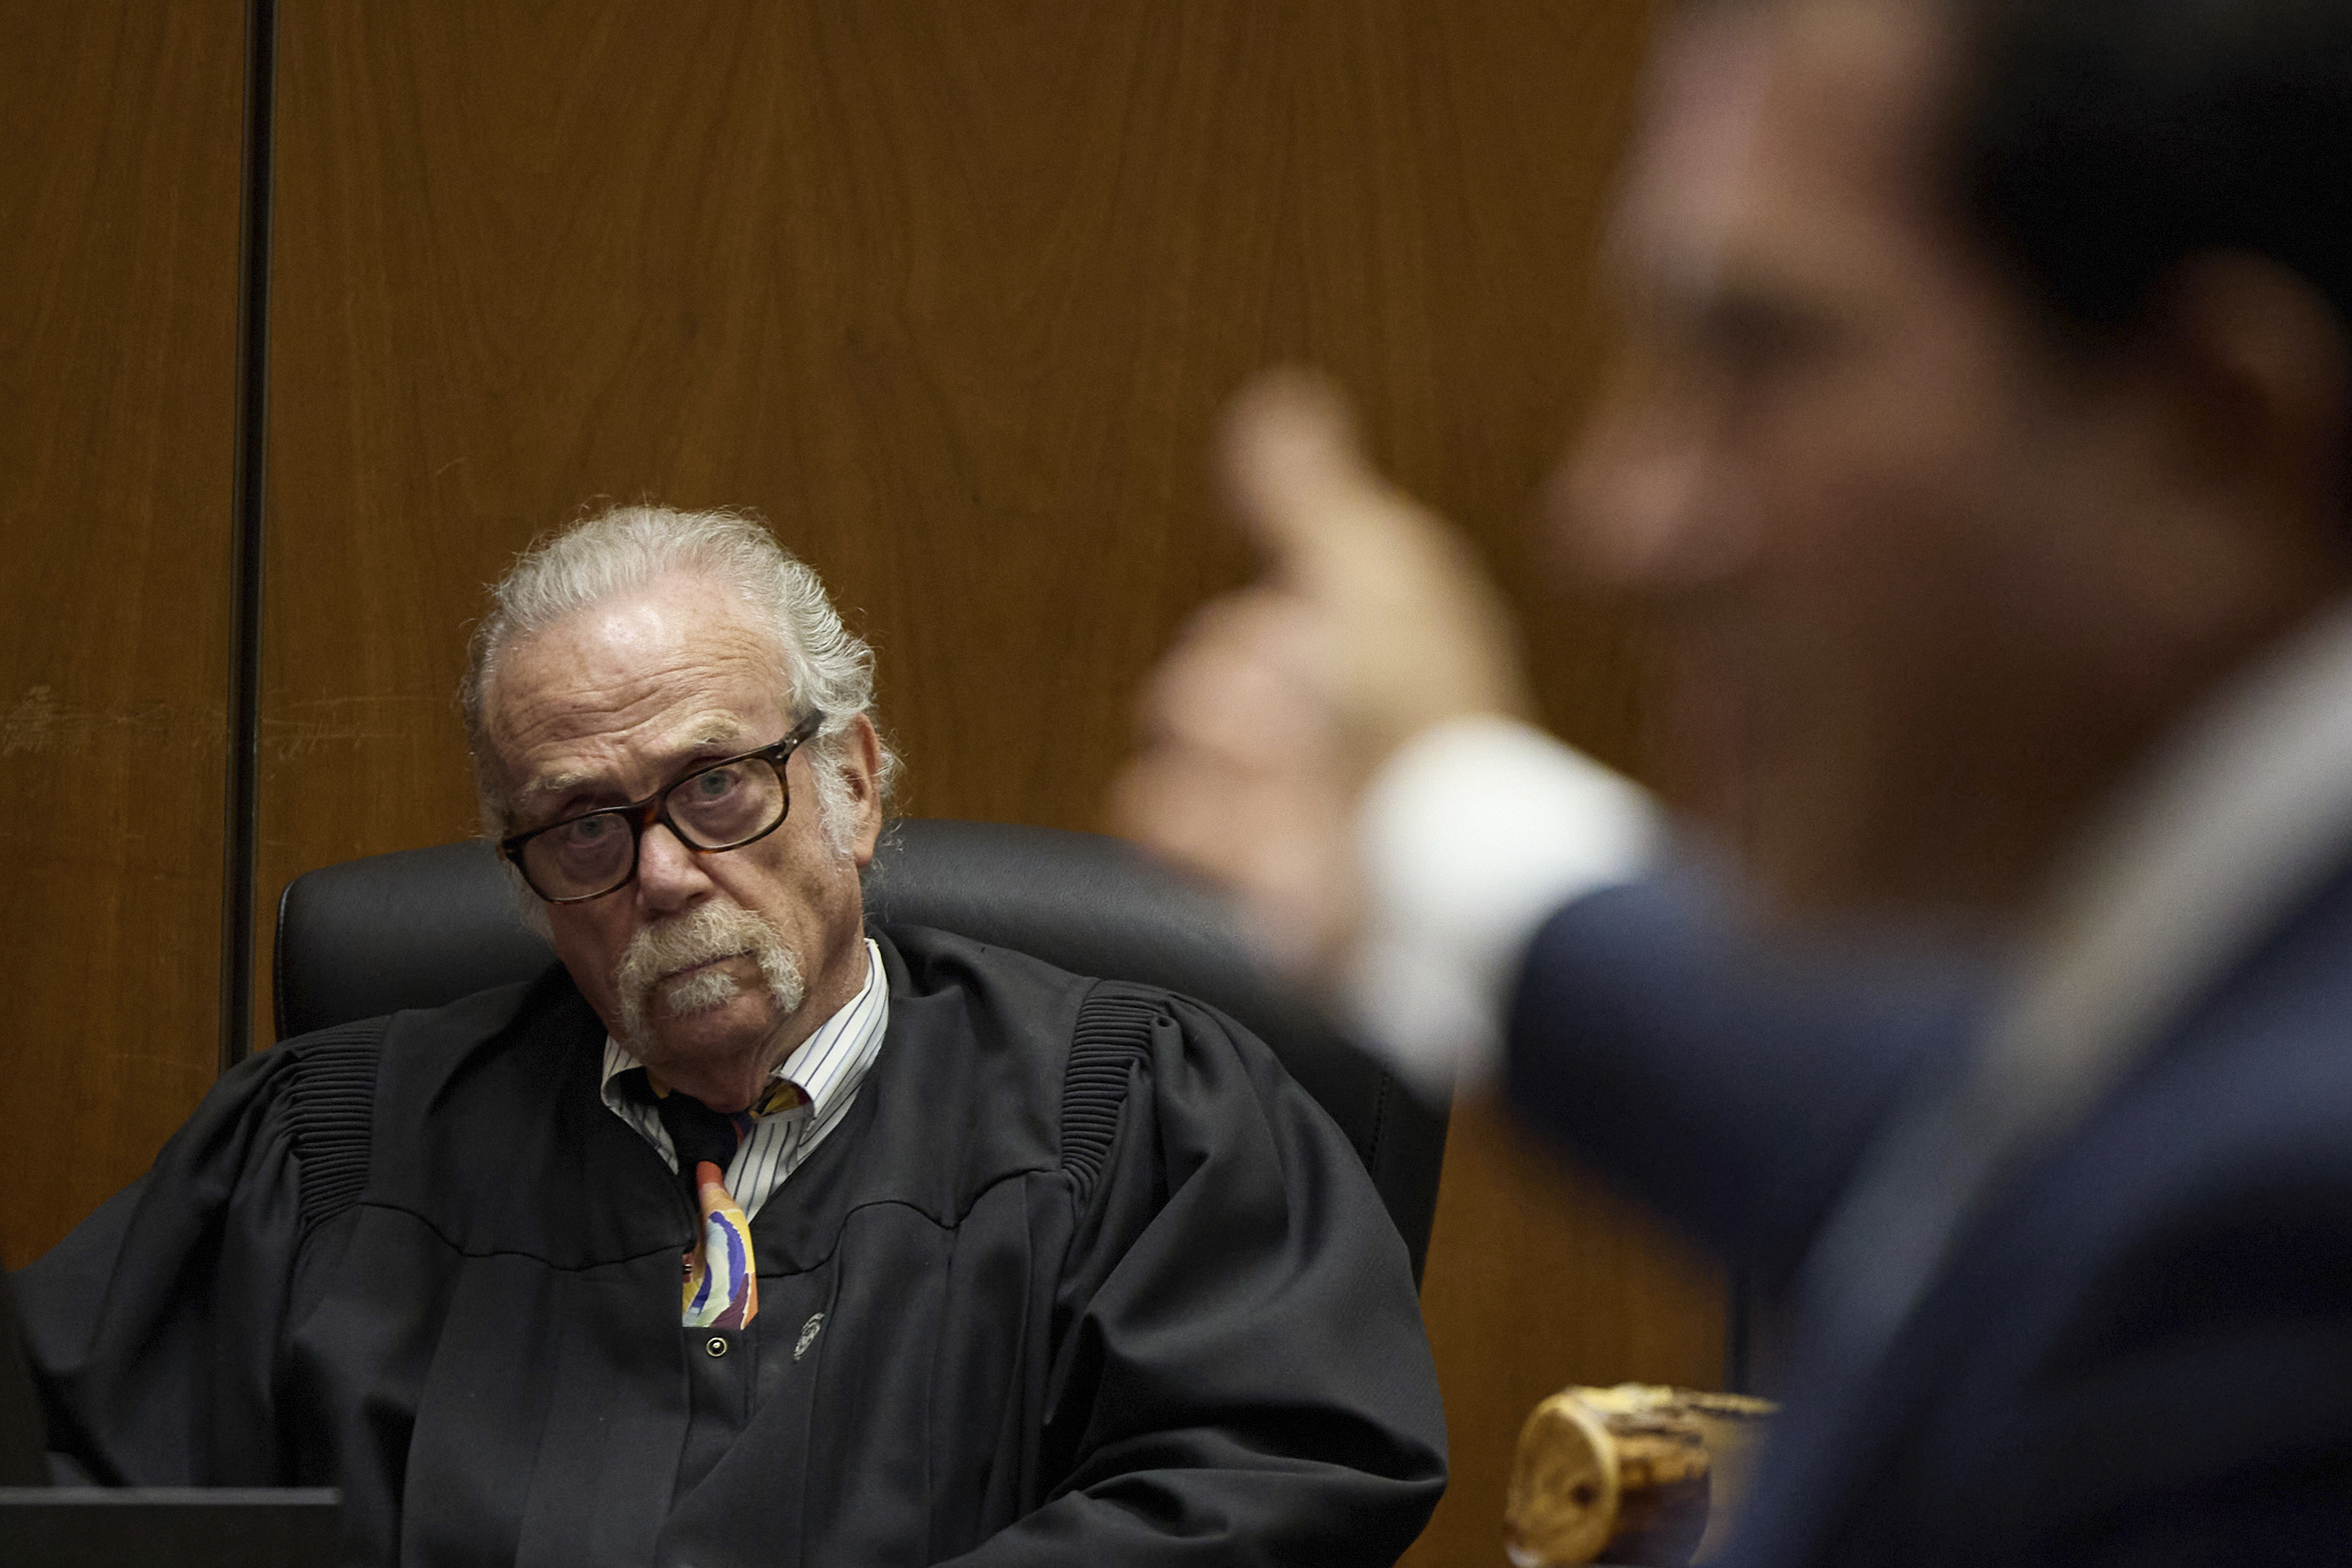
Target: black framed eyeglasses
{"type": "Point", "coordinates": [722, 805]}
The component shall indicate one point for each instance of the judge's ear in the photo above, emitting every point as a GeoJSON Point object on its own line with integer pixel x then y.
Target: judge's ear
{"type": "Point", "coordinates": [859, 759]}
{"type": "Point", "coordinates": [2245, 378]}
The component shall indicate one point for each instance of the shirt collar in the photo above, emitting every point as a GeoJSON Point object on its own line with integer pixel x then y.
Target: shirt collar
{"type": "Point", "coordinates": [826, 1067]}
{"type": "Point", "coordinates": [2239, 815]}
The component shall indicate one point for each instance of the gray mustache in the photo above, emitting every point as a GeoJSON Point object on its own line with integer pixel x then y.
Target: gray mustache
{"type": "Point", "coordinates": [702, 935]}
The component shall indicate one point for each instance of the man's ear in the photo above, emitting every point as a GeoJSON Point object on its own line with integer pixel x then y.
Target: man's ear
{"type": "Point", "coordinates": [861, 771]}
{"type": "Point", "coordinates": [2247, 371]}
{"type": "Point", "coordinates": [2263, 373]}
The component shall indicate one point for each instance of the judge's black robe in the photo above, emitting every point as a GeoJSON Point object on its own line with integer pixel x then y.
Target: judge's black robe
{"type": "Point", "coordinates": [1081, 1278]}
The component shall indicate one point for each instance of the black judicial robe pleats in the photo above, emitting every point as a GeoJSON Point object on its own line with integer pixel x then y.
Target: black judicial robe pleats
{"type": "Point", "coordinates": [1082, 1276]}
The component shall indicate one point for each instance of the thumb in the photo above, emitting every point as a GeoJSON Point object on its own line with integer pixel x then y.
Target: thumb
{"type": "Point", "coordinates": [1413, 630]}
{"type": "Point", "coordinates": [1298, 475]}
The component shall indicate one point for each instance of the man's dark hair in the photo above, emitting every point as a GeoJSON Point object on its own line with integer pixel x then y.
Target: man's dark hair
{"type": "Point", "coordinates": [2101, 143]}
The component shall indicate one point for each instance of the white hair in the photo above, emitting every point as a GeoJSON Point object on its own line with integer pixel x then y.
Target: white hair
{"type": "Point", "coordinates": [623, 550]}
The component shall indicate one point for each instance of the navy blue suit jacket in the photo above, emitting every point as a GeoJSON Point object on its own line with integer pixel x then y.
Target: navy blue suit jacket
{"type": "Point", "coordinates": [2139, 1351]}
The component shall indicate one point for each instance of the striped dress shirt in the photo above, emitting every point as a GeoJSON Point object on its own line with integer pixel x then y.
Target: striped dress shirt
{"type": "Point", "coordinates": [826, 1069]}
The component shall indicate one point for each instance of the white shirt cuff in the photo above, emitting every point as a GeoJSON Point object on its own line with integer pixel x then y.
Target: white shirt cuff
{"type": "Point", "coordinates": [1467, 839]}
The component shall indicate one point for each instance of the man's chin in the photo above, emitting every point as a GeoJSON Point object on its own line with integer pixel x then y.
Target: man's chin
{"type": "Point", "coordinates": [712, 1034]}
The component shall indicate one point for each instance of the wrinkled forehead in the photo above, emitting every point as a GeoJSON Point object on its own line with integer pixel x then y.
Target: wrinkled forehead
{"type": "Point", "coordinates": [1776, 122]}
{"type": "Point", "coordinates": [679, 667]}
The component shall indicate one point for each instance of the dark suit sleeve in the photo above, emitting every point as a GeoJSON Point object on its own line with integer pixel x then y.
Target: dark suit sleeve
{"type": "Point", "coordinates": [1728, 1084]}
{"type": "Point", "coordinates": [1241, 1373]}
{"type": "Point", "coordinates": [153, 1328]}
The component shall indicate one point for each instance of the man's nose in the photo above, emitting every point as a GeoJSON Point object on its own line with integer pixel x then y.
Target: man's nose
{"type": "Point", "coordinates": [1646, 508]}
{"type": "Point", "coordinates": [669, 875]}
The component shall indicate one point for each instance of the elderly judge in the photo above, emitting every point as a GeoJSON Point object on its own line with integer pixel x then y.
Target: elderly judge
{"type": "Point", "coordinates": [749, 1234]}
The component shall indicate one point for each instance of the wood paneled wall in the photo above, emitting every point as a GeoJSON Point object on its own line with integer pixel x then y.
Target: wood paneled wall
{"type": "Point", "coordinates": [119, 189]}
{"type": "Point", "coordinates": [952, 292]}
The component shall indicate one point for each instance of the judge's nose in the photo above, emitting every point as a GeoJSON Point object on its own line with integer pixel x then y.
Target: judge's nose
{"type": "Point", "coordinates": [669, 875]}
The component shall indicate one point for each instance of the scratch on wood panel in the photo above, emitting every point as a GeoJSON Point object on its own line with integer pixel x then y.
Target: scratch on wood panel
{"type": "Point", "coordinates": [31, 725]}
{"type": "Point", "coordinates": [351, 721]}
{"type": "Point", "coordinates": [205, 1071]}
{"type": "Point", "coordinates": [37, 722]}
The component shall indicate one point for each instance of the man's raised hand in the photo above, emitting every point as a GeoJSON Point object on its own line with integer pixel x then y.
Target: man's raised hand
{"type": "Point", "coordinates": [1261, 728]}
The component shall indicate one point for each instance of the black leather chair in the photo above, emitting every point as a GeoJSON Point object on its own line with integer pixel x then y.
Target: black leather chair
{"type": "Point", "coordinates": [423, 927]}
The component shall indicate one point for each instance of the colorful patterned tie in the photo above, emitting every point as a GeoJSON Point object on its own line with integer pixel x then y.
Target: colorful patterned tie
{"type": "Point", "coordinates": [721, 1288]}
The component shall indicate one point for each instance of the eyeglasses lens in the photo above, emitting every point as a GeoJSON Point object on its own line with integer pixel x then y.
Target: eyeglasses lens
{"type": "Point", "coordinates": [581, 857]}
{"type": "Point", "coordinates": [721, 807]}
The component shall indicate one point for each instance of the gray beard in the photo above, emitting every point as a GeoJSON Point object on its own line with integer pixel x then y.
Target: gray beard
{"type": "Point", "coordinates": [706, 934]}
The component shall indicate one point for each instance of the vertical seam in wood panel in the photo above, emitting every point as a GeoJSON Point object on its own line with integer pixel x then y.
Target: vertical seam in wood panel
{"type": "Point", "coordinates": [241, 844]}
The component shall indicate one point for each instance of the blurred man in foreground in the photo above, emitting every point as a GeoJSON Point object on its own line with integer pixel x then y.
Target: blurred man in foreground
{"type": "Point", "coordinates": [1981, 447]}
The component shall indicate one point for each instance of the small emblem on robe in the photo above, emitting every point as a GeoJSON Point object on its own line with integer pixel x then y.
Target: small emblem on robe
{"type": "Point", "coordinates": [808, 1334]}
